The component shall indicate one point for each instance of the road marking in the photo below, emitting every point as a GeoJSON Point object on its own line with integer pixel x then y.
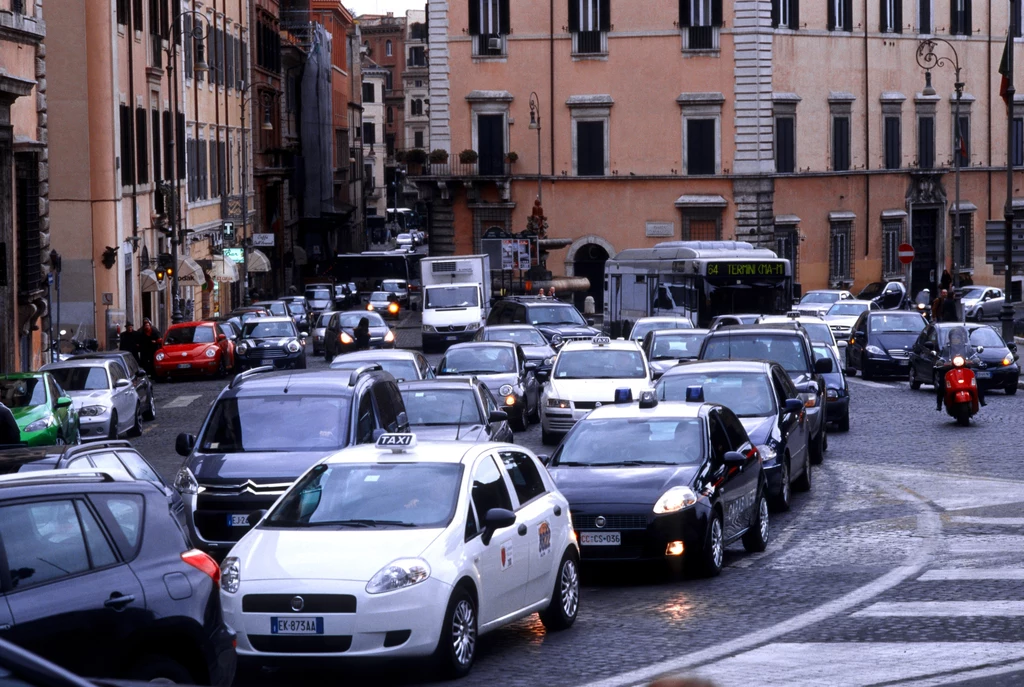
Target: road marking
{"type": "Point", "coordinates": [984, 543]}
{"type": "Point", "coordinates": [966, 675]}
{"type": "Point", "coordinates": [873, 385]}
{"type": "Point", "coordinates": [942, 609]}
{"type": "Point", "coordinates": [941, 575]}
{"type": "Point", "coordinates": [947, 491]}
{"type": "Point", "coordinates": [182, 401]}
{"type": "Point", "coordinates": [857, 664]}
{"type": "Point", "coordinates": [971, 520]}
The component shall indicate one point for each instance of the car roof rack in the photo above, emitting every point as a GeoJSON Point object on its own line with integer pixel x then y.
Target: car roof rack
{"type": "Point", "coordinates": [51, 476]}
{"type": "Point", "coordinates": [75, 449]}
{"type": "Point", "coordinates": [368, 367]}
{"type": "Point", "coordinates": [242, 376]}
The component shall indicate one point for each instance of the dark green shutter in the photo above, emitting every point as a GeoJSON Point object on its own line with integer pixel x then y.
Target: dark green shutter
{"type": "Point", "coordinates": [505, 19]}
{"type": "Point", "coordinates": [684, 13]}
{"type": "Point", "coordinates": [775, 13]}
{"type": "Point", "coordinates": [716, 12]}
{"type": "Point", "coordinates": [831, 15]}
{"type": "Point", "coordinates": [606, 15]}
{"type": "Point", "coordinates": [474, 17]}
{"type": "Point", "coordinates": [794, 14]}
{"type": "Point", "coordinates": [574, 15]}
{"type": "Point", "coordinates": [898, 19]}
{"type": "Point", "coordinates": [848, 19]}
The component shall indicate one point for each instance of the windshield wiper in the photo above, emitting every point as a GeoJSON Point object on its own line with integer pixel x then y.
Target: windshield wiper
{"type": "Point", "coordinates": [366, 522]}
{"type": "Point", "coordinates": [639, 462]}
{"type": "Point", "coordinates": [570, 464]}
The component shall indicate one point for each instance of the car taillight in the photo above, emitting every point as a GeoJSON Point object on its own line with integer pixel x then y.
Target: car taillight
{"type": "Point", "coordinates": [202, 561]}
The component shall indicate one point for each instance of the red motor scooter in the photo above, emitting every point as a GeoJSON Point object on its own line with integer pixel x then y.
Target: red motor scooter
{"type": "Point", "coordinates": [961, 391]}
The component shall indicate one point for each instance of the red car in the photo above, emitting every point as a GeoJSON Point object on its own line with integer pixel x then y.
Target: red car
{"type": "Point", "coordinates": [193, 348]}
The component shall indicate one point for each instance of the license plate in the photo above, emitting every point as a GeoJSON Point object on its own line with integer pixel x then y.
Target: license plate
{"type": "Point", "coordinates": [266, 362]}
{"type": "Point", "coordinates": [238, 520]}
{"type": "Point", "coordinates": [297, 626]}
{"type": "Point", "coordinates": [600, 538]}
{"type": "Point", "coordinates": [450, 338]}
{"type": "Point", "coordinates": [983, 375]}
{"type": "Point", "coordinates": [904, 363]}
{"type": "Point", "coordinates": [184, 366]}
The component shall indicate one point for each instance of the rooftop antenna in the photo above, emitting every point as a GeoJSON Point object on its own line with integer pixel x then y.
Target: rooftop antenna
{"type": "Point", "coordinates": [458, 428]}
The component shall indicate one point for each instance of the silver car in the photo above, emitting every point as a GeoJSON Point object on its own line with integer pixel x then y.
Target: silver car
{"type": "Point", "coordinates": [108, 405]}
{"type": "Point", "coordinates": [319, 327]}
{"type": "Point", "coordinates": [981, 302]}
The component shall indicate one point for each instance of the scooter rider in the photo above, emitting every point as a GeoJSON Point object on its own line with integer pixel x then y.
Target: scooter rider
{"type": "Point", "coordinates": [959, 344]}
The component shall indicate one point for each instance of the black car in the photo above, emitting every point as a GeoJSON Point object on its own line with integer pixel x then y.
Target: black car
{"type": "Point", "coordinates": [880, 343]}
{"type": "Point", "coordinates": [763, 397]}
{"type": "Point", "coordinates": [454, 409]}
{"type": "Point", "coordinates": [130, 367]}
{"type": "Point", "coordinates": [790, 346]}
{"type": "Point", "coordinates": [558, 322]}
{"type": "Point", "coordinates": [997, 366]}
{"type": "Point", "coordinates": [405, 366]}
{"type": "Point", "coordinates": [503, 368]}
{"type": "Point", "coordinates": [665, 348]}
{"type": "Point", "coordinates": [99, 578]}
{"type": "Point", "coordinates": [264, 430]}
{"type": "Point", "coordinates": [339, 336]}
{"type": "Point", "coordinates": [837, 390]}
{"type": "Point", "coordinates": [298, 310]}
{"type": "Point", "coordinates": [270, 341]}
{"type": "Point", "coordinates": [535, 347]}
{"type": "Point", "coordinates": [673, 482]}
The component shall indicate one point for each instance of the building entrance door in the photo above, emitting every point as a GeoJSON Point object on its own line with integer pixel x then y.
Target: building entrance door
{"type": "Point", "coordinates": [491, 136]}
{"type": "Point", "coordinates": [924, 234]}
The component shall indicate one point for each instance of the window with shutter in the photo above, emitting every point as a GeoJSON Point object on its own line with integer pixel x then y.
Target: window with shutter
{"type": "Point", "coordinates": [222, 165]}
{"type": "Point", "coordinates": [127, 150]}
{"type": "Point", "coordinates": [787, 245]}
{"type": "Point", "coordinates": [962, 141]}
{"type": "Point", "coordinates": [417, 138]}
{"type": "Point", "coordinates": [785, 145]}
{"type": "Point", "coordinates": [700, 146]}
{"type": "Point", "coordinates": [924, 16]}
{"type": "Point", "coordinates": [368, 93]}
{"type": "Point", "coordinates": [369, 133]}
{"type": "Point", "coordinates": [214, 168]}
{"type": "Point", "coordinates": [841, 143]}
{"type": "Point", "coordinates": [137, 15]}
{"type": "Point", "coordinates": [786, 14]}
{"type": "Point", "coordinates": [891, 16]}
{"type": "Point", "coordinates": [840, 15]}
{"type": "Point", "coordinates": [590, 148]}
{"type": "Point", "coordinates": [204, 179]}
{"type": "Point", "coordinates": [489, 22]}
{"type": "Point", "coordinates": [154, 120]}
{"type": "Point", "coordinates": [141, 147]}
{"type": "Point", "coordinates": [960, 17]}
{"type": "Point", "coordinates": [122, 12]}
{"type": "Point", "coordinates": [180, 136]}
{"type": "Point", "coordinates": [926, 142]}
{"type": "Point", "coordinates": [1017, 18]}
{"type": "Point", "coordinates": [588, 21]}
{"type": "Point", "coordinates": [840, 237]}
{"type": "Point", "coordinates": [26, 202]}
{"type": "Point", "coordinates": [893, 152]}
{"type": "Point", "coordinates": [193, 182]}
{"type": "Point", "coordinates": [701, 21]}
{"type": "Point", "coordinates": [1017, 145]}
{"type": "Point", "coordinates": [892, 237]}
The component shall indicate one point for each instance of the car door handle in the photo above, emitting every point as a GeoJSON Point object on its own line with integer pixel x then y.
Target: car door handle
{"type": "Point", "coordinates": [118, 601]}
{"type": "Point", "coordinates": [558, 510]}
{"type": "Point", "coordinates": [522, 530]}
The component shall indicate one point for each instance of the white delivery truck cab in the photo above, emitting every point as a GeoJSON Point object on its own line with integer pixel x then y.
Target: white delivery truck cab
{"type": "Point", "coordinates": [456, 298]}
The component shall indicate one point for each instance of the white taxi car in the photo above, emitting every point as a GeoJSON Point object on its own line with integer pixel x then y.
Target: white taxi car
{"type": "Point", "coordinates": [587, 374]}
{"type": "Point", "coordinates": [396, 549]}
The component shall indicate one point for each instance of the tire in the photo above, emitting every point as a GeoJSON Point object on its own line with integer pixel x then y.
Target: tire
{"type": "Point", "coordinates": [866, 372]}
{"type": "Point", "coordinates": [713, 556]}
{"type": "Point", "coordinates": [456, 647]}
{"type": "Point", "coordinates": [113, 425]}
{"type": "Point", "coordinates": [915, 384]}
{"type": "Point", "coordinates": [844, 422]}
{"type": "Point", "coordinates": [221, 369]}
{"type": "Point", "coordinates": [1011, 390]}
{"type": "Point", "coordinates": [803, 482]}
{"type": "Point", "coordinates": [963, 415]}
{"type": "Point", "coordinates": [136, 429]}
{"type": "Point", "coordinates": [756, 538]}
{"type": "Point", "coordinates": [150, 413]}
{"type": "Point", "coordinates": [818, 448]}
{"type": "Point", "coordinates": [565, 598]}
{"type": "Point", "coordinates": [156, 668]}
{"type": "Point", "coordinates": [521, 422]}
{"type": "Point", "coordinates": [535, 415]}
{"type": "Point", "coordinates": [781, 501]}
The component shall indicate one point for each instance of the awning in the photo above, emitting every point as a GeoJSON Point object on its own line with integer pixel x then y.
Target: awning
{"type": "Point", "coordinates": [258, 261]}
{"type": "Point", "coordinates": [300, 255]}
{"type": "Point", "coordinates": [149, 282]}
{"type": "Point", "coordinates": [224, 270]}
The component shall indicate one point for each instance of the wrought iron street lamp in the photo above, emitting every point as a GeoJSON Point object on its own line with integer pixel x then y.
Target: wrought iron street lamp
{"type": "Point", "coordinates": [535, 126]}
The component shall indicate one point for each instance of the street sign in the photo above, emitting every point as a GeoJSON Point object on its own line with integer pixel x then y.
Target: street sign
{"type": "Point", "coordinates": [236, 255]}
{"type": "Point", "coordinates": [263, 240]}
{"type": "Point", "coordinates": [229, 231]}
{"type": "Point", "coordinates": [906, 253]}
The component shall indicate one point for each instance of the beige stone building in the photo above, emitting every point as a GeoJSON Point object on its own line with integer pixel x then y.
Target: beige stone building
{"type": "Point", "coordinates": [801, 125]}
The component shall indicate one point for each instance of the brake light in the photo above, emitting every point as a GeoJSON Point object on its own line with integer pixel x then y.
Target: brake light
{"type": "Point", "coordinates": [202, 561]}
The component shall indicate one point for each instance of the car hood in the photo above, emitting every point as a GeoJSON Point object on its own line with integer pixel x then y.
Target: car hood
{"type": "Point", "coordinates": [891, 340]}
{"type": "Point", "coordinates": [759, 429]}
{"type": "Point", "coordinates": [85, 398]}
{"type": "Point", "coordinates": [262, 466]}
{"type": "Point", "coordinates": [842, 320]}
{"type": "Point", "coordinates": [473, 434]}
{"type": "Point", "coordinates": [341, 554]}
{"type": "Point", "coordinates": [496, 381]}
{"type": "Point", "coordinates": [566, 330]}
{"type": "Point", "coordinates": [184, 350]}
{"type": "Point", "coordinates": [538, 352]}
{"type": "Point", "coordinates": [595, 390]}
{"type": "Point", "coordinates": [26, 415]}
{"type": "Point", "coordinates": [812, 307]}
{"type": "Point", "coordinates": [583, 485]}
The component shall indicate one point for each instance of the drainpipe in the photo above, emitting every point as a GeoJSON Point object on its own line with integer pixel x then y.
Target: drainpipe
{"type": "Point", "coordinates": [130, 42]}
{"type": "Point", "coordinates": [551, 82]}
{"type": "Point", "coordinates": [867, 139]}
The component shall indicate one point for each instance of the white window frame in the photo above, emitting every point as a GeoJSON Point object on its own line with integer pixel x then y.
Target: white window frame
{"type": "Point", "coordinates": [890, 16]}
{"type": "Point", "coordinates": [785, 14]}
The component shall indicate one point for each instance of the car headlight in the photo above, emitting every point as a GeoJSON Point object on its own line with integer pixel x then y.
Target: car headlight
{"type": "Point", "coordinates": [211, 352]}
{"type": "Point", "coordinates": [293, 347]}
{"type": "Point", "coordinates": [558, 403]}
{"type": "Point", "coordinates": [428, 329]}
{"type": "Point", "coordinates": [389, 337]}
{"type": "Point", "coordinates": [767, 452]}
{"type": "Point", "coordinates": [345, 338]}
{"type": "Point", "coordinates": [505, 390]}
{"type": "Point", "coordinates": [472, 326]}
{"type": "Point", "coordinates": [832, 394]}
{"type": "Point", "coordinates": [556, 340]}
{"type": "Point", "coordinates": [92, 411]}
{"type": "Point", "coordinates": [675, 499]}
{"type": "Point", "coordinates": [1008, 360]}
{"type": "Point", "coordinates": [186, 483]}
{"type": "Point", "coordinates": [405, 572]}
{"type": "Point", "coordinates": [242, 348]}
{"type": "Point", "coordinates": [230, 575]}
{"type": "Point", "coordinates": [160, 356]}
{"type": "Point", "coordinates": [810, 399]}
{"type": "Point", "coordinates": [40, 425]}
{"type": "Point", "coordinates": [369, 306]}
{"type": "Point", "coordinates": [874, 350]}
{"type": "Point", "coordinates": [549, 361]}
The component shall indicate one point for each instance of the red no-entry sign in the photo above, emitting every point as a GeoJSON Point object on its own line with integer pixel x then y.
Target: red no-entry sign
{"type": "Point", "coordinates": [906, 252]}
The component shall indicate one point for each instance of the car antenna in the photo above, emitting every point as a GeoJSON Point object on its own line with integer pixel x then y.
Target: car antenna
{"type": "Point", "coordinates": [458, 428]}
{"type": "Point", "coordinates": [288, 381]}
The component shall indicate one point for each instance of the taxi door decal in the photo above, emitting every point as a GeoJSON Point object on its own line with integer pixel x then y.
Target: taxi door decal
{"type": "Point", "coordinates": [506, 555]}
{"type": "Point", "coordinates": [544, 535]}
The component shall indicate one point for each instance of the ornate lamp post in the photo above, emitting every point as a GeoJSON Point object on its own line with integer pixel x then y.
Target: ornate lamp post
{"type": "Point", "coordinates": [535, 126]}
{"type": "Point", "coordinates": [268, 125]}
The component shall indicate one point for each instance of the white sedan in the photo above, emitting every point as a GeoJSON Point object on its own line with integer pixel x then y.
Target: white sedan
{"type": "Point", "coordinates": [395, 549]}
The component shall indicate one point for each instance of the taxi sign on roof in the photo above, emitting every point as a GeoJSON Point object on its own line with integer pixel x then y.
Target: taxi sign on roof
{"type": "Point", "coordinates": [396, 442]}
{"type": "Point", "coordinates": [601, 341]}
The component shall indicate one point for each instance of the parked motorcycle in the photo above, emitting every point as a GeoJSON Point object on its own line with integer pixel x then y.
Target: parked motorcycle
{"type": "Point", "coordinates": [960, 392]}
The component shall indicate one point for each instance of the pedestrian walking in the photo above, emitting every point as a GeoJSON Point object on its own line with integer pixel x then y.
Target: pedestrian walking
{"type": "Point", "coordinates": [10, 433]}
{"type": "Point", "coordinates": [130, 340]}
{"type": "Point", "coordinates": [148, 341]}
{"type": "Point", "coordinates": [362, 334]}
{"type": "Point", "coordinates": [937, 306]}
{"type": "Point", "coordinates": [947, 280]}
{"type": "Point", "coordinates": [950, 311]}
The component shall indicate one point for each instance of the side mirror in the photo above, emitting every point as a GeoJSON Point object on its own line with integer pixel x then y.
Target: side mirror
{"type": "Point", "coordinates": [1013, 347]}
{"type": "Point", "coordinates": [590, 321]}
{"type": "Point", "coordinates": [222, 337]}
{"type": "Point", "coordinates": [256, 516]}
{"type": "Point", "coordinates": [793, 405]}
{"type": "Point", "coordinates": [859, 333]}
{"type": "Point", "coordinates": [734, 459]}
{"type": "Point", "coordinates": [823, 366]}
{"type": "Point", "coordinates": [656, 374]}
{"type": "Point", "coordinates": [542, 375]}
{"type": "Point", "coordinates": [544, 459]}
{"type": "Point", "coordinates": [122, 383]}
{"type": "Point", "coordinates": [403, 421]}
{"type": "Point", "coordinates": [141, 374]}
{"type": "Point", "coordinates": [303, 335]}
{"type": "Point", "coordinates": [64, 402]}
{"type": "Point", "coordinates": [497, 416]}
{"type": "Point", "coordinates": [184, 444]}
{"type": "Point", "coordinates": [532, 365]}
{"type": "Point", "coordinates": [497, 519]}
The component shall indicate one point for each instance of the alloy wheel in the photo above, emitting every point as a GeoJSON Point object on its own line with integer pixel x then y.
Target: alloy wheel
{"type": "Point", "coordinates": [763, 516]}
{"type": "Point", "coordinates": [570, 588]}
{"type": "Point", "coordinates": [785, 482]}
{"type": "Point", "coordinates": [464, 632]}
{"type": "Point", "coordinates": [717, 548]}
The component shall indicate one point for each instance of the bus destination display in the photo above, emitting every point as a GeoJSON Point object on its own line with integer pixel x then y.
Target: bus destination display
{"type": "Point", "coordinates": [752, 268]}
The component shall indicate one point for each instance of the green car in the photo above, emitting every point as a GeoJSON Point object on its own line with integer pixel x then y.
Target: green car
{"type": "Point", "coordinates": [42, 408]}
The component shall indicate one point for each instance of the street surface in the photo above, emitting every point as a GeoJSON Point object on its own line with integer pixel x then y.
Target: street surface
{"type": "Point", "coordinates": [903, 566]}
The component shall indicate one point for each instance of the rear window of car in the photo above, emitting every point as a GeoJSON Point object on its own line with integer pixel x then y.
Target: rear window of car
{"type": "Point", "coordinates": [786, 350]}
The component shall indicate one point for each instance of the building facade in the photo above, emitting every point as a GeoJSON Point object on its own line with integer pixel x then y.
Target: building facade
{"type": "Point", "coordinates": [384, 38]}
{"type": "Point", "coordinates": [800, 125]}
{"type": "Point", "coordinates": [415, 83]}
{"type": "Point", "coordinates": [375, 152]}
{"type": "Point", "coordinates": [24, 181]}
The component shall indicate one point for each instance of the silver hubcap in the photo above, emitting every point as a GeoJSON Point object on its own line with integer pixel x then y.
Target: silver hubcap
{"type": "Point", "coordinates": [764, 519]}
{"type": "Point", "coordinates": [717, 551]}
{"type": "Point", "coordinates": [464, 632]}
{"type": "Point", "coordinates": [785, 482]}
{"type": "Point", "coordinates": [570, 589]}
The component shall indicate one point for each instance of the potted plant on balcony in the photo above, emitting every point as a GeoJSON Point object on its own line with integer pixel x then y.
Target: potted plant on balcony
{"type": "Point", "coordinates": [415, 158]}
{"type": "Point", "coordinates": [512, 157]}
{"type": "Point", "coordinates": [399, 156]}
{"type": "Point", "coordinates": [439, 156]}
{"type": "Point", "coordinates": [468, 156]}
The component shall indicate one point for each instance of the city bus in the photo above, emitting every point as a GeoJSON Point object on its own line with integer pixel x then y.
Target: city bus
{"type": "Point", "coordinates": [696, 279]}
{"type": "Point", "coordinates": [368, 269]}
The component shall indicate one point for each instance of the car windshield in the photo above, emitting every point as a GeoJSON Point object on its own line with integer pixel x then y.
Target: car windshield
{"type": "Point", "coordinates": [640, 329]}
{"type": "Point", "coordinates": [479, 360]}
{"type": "Point", "coordinates": [350, 320]}
{"type": "Point", "coordinates": [555, 314]}
{"type": "Point", "coordinates": [672, 441]}
{"type": "Point", "coordinates": [189, 335]}
{"type": "Point", "coordinates": [820, 298]}
{"type": "Point", "coordinates": [318, 295]}
{"type": "Point", "coordinates": [422, 495]}
{"type": "Point", "coordinates": [393, 285]}
{"type": "Point", "coordinates": [452, 297]}
{"type": "Point", "coordinates": [267, 330]}
{"type": "Point", "coordinates": [748, 394]}
{"type": "Point", "coordinates": [22, 393]}
{"type": "Point", "coordinates": [597, 363]}
{"type": "Point", "coordinates": [871, 290]}
{"type": "Point", "coordinates": [896, 322]}
{"type": "Point", "coordinates": [296, 308]}
{"type": "Point", "coordinates": [787, 351]}
{"type": "Point", "coordinates": [278, 309]}
{"type": "Point", "coordinates": [846, 309]}
{"type": "Point", "coordinates": [81, 378]}
{"type": "Point", "coordinates": [975, 292]}
{"type": "Point", "coordinates": [987, 337]}
{"type": "Point", "coordinates": [400, 369]}
{"type": "Point", "coordinates": [441, 407]}
{"type": "Point", "coordinates": [819, 332]}
{"type": "Point", "coordinates": [675, 346]}
{"type": "Point", "coordinates": [289, 422]}
{"type": "Point", "coordinates": [379, 297]}
{"type": "Point", "coordinates": [323, 319]}
{"type": "Point", "coordinates": [524, 337]}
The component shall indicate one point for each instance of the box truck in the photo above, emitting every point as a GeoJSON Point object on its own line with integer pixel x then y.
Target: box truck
{"type": "Point", "coordinates": [456, 298]}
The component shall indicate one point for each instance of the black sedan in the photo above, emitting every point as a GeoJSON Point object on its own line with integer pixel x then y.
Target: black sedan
{"type": "Point", "coordinates": [454, 409]}
{"type": "Point", "coordinates": [672, 482]}
{"type": "Point", "coordinates": [881, 341]}
{"type": "Point", "coordinates": [340, 334]}
{"type": "Point", "coordinates": [270, 341]}
{"type": "Point", "coordinates": [998, 367]}
{"type": "Point", "coordinates": [664, 348]}
{"type": "Point", "coordinates": [503, 368]}
{"type": "Point", "coordinates": [535, 347]}
{"type": "Point", "coordinates": [768, 405]}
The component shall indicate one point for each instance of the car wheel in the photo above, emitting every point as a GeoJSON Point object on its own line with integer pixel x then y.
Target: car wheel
{"type": "Point", "coordinates": [1011, 389]}
{"type": "Point", "coordinates": [915, 383]}
{"type": "Point", "coordinates": [113, 425]}
{"type": "Point", "coordinates": [866, 372]}
{"type": "Point", "coordinates": [456, 648]}
{"type": "Point", "coordinates": [844, 422]}
{"type": "Point", "coordinates": [535, 415]}
{"type": "Point", "coordinates": [521, 422]}
{"type": "Point", "coordinates": [136, 429]}
{"type": "Point", "coordinates": [150, 412]}
{"type": "Point", "coordinates": [59, 441]}
{"type": "Point", "coordinates": [565, 598]}
{"type": "Point", "coordinates": [780, 501]}
{"type": "Point", "coordinates": [803, 482]}
{"type": "Point", "coordinates": [756, 538]}
{"type": "Point", "coordinates": [221, 369]}
{"type": "Point", "coordinates": [155, 668]}
{"type": "Point", "coordinates": [713, 555]}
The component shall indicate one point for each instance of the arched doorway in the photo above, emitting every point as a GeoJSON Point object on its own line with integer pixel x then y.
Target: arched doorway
{"type": "Point", "coordinates": [588, 261]}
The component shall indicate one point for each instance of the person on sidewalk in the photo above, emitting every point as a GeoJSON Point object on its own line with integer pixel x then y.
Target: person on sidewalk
{"type": "Point", "coordinates": [938, 304]}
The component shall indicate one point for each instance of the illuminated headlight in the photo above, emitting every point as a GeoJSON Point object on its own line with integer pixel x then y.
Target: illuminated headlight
{"type": "Point", "coordinates": [92, 411]}
{"type": "Point", "coordinates": [230, 575]}
{"type": "Point", "coordinates": [510, 400]}
{"type": "Point", "coordinates": [40, 425]}
{"type": "Point", "coordinates": [549, 361]}
{"type": "Point", "coordinates": [293, 347]}
{"type": "Point", "coordinates": [874, 350]}
{"type": "Point", "coordinates": [389, 337]}
{"type": "Point", "coordinates": [345, 338]}
{"type": "Point", "coordinates": [405, 572]}
{"type": "Point", "coordinates": [428, 329]}
{"type": "Point", "coordinates": [211, 352]}
{"type": "Point", "coordinates": [1008, 360]}
{"type": "Point", "coordinates": [242, 348]}
{"type": "Point", "coordinates": [160, 356]}
{"type": "Point", "coordinates": [186, 483]}
{"type": "Point", "coordinates": [369, 306]}
{"type": "Point", "coordinates": [832, 394]}
{"type": "Point", "coordinates": [674, 500]}
{"type": "Point", "coordinates": [505, 389]}
{"type": "Point", "coordinates": [767, 452]}
{"type": "Point", "coordinates": [558, 403]}
{"type": "Point", "coordinates": [958, 361]}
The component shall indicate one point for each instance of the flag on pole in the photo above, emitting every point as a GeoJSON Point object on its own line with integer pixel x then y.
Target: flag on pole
{"type": "Point", "coordinates": [1005, 71]}
{"type": "Point", "coordinates": [962, 141]}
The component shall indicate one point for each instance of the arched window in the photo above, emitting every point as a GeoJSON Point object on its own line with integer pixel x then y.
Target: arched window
{"type": "Point", "coordinates": [387, 49]}
{"type": "Point", "coordinates": [391, 115]}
